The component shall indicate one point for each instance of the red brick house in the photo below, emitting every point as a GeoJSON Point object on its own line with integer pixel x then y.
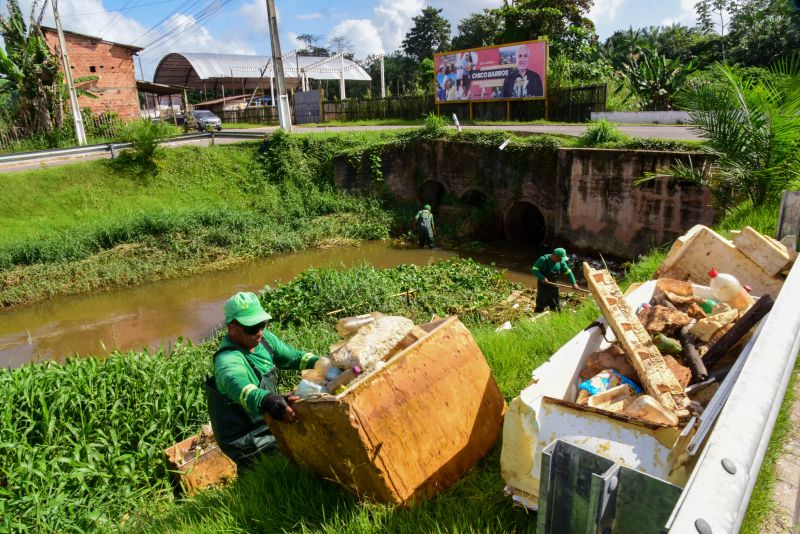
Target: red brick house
{"type": "Point", "coordinates": [111, 62]}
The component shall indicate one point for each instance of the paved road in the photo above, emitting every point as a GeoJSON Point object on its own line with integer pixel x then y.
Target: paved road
{"type": "Point", "coordinates": [657, 131]}
{"type": "Point", "coordinates": [662, 132]}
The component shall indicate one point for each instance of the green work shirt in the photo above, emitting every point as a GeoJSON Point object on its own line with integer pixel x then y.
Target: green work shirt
{"type": "Point", "coordinates": [424, 219]}
{"type": "Point", "coordinates": [545, 267]}
{"type": "Point", "coordinates": [236, 378]}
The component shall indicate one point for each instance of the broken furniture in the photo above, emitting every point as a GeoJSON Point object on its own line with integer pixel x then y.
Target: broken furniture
{"type": "Point", "coordinates": [410, 429]}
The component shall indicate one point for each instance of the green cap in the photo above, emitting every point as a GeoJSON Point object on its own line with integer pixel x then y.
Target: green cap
{"type": "Point", "coordinates": [427, 207]}
{"type": "Point", "coordinates": [561, 253]}
{"type": "Point", "coordinates": [246, 309]}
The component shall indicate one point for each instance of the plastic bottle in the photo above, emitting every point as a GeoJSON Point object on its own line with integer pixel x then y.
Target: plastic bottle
{"type": "Point", "coordinates": [726, 288]}
{"type": "Point", "coordinates": [350, 325]}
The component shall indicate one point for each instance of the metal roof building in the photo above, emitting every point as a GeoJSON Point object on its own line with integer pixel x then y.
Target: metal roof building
{"type": "Point", "coordinates": [235, 73]}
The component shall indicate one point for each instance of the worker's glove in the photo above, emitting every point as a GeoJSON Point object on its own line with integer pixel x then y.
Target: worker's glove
{"type": "Point", "coordinates": [275, 405]}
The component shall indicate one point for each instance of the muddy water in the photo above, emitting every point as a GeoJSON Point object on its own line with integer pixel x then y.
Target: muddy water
{"type": "Point", "coordinates": [156, 314]}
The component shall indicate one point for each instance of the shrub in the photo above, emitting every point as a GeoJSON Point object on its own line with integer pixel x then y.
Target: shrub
{"type": "Point", "coordinates": [144, 136]}
{"type": "Point", "coordinates": [600, 133]}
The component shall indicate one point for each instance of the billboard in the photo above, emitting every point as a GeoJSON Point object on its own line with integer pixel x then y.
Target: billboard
{"type": "Point", "coordinates": [500, 72]}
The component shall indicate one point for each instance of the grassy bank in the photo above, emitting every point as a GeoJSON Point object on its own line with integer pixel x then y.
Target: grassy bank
{"type": "Point", "coordinates": [96, 225]}
{"type": "Point", "coordinates": [100, 224]}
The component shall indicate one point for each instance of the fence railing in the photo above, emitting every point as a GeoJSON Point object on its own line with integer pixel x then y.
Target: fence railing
{"type": "Point", "coordinates": [574, 104]}
{"type": "Point", "coordinates": [571, 104]}
{"type": "Point", "coordinates": [100, 128]}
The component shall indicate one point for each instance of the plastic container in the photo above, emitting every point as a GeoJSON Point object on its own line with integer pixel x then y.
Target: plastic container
{"type": "Point", "coordinates": [612, 399]}
{"type": "Point", "coordinates": [350, 325]}
{"type": "Point", "coordinates": [647, 408]}
{"type": "Point", "coordinates": [726, 288]}
{"type": "Point", "coordinates": [319, 372]}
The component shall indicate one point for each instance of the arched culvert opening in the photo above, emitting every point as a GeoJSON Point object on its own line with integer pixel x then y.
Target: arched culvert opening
{"type": "Point", "coordinates": [474, 199]}
{"type": "Point", "coordinates": [525, 223]}
{"type": "Point", "coordinates": [432, 193]}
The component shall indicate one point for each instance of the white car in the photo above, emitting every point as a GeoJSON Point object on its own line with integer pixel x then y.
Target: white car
{"type": "Point", "coordinates": [207, 120]}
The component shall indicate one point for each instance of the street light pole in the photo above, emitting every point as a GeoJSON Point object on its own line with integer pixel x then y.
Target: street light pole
{"type": "Point", "coordinates": [77, 118]}
{"type": "Point", "coordinates": [284, 114]}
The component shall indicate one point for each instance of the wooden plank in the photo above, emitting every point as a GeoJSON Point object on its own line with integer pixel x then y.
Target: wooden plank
{"type": "Point", "coordinates": [789, 217]}
{"type": "Point", "coordinates": [656, 378]}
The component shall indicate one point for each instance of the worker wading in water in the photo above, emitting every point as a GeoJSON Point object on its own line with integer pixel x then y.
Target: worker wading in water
{"type": "Point", "coordinates": [423, 223]}
{"type": "Point", "coordinates": [546, 270]}
{"type": "Point", "coordinates": [244, 385]}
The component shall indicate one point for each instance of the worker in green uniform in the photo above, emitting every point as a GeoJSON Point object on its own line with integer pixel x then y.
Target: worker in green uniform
{"type": "Point", "coordinates": [423, 222]}
{"type": "Point", "coordinates": [244, 385]}
{"type": "Point", "coordinates": [546, 270]}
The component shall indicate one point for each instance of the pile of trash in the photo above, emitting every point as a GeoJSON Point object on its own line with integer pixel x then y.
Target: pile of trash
{"type": "Point", "coordinates": [693, 328]}
{"type": "Point", "coordinates": [370, 340]}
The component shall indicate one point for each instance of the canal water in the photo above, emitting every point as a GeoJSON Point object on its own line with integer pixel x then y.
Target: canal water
{"type": "Point", "coordinates": [156, 314]}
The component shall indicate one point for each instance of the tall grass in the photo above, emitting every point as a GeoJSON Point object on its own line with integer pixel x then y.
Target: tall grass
{"type": "Point", "coordinates": [81, 443]}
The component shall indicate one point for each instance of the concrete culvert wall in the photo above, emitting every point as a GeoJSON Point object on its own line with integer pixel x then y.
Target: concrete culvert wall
{"type": "Point", "coordinates": [524, 223]}
{"type": "Point", "coordinates": [474, 198]}
{"type": "Point", "coordinates": [432, 193]}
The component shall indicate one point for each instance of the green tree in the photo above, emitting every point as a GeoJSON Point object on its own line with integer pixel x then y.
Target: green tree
{"type": "Point", "coordinates": [762, 31]}
{"type": "Point", "coordinates": [312, 45]}
{"type": "Point", "coordinates": [564, 22]}
{"type": "Point", "coordinates": [478, 29]}
{"type": "Point", "coordinates": [430, 33]}
{"type": "Point", "coordinates": [752, 127]}
{"type": "Point", "coordinates": [30, 72]}
{"type": "Point", "coordinates": [655, 79]}
{"type": "Point", "coordinates": [708, 11]}
{"type": "Point", "coordinates": [425, 74]}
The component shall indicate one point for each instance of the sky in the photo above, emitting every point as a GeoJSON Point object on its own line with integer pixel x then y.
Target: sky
{"type": "Point", "coordinates": [240, 26]}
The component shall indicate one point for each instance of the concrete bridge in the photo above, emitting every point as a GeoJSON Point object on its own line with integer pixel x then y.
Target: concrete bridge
{"type": "Point", "coordinates": [540, 194]}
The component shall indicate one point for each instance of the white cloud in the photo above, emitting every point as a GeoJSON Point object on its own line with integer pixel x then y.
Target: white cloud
{"type": "Point", "coordinates": [605, 10]}
{"type": "Point", "coordinates": [362, 34]}
{"type": "Point", "coordinates": [686, 15]}
{"type": "Point", "coordinates": [392, 19]}
{"type": "Point", "coordinates": [90, 17]}
{"type": "Point", "coordinates": [254, 16]}
{"type": "Point", "coordinates": [310, 16]}
{"type": "Point", "coordinates": [293, 42]}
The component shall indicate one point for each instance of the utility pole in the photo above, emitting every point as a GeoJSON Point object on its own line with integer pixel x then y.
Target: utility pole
{"type": "Point", "coordinates": [284, 114]}
{"type": "Point", "coordinates": [77, 118]}
{"type": "Point", "coordinates": [383, 83]}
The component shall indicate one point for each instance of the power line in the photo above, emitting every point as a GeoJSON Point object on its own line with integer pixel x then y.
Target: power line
{"type": "Point", "coordinates": [204, 15]}
{"type": "Point", "coordinates": [116, 10]}
{"type": "Point", "coordinates": [154, 28]}
{"type": "Point", "coordinates": [117, 15]}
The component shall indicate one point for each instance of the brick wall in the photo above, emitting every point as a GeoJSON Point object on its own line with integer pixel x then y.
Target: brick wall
{"type": "Point", "coordinates": [111, 63]}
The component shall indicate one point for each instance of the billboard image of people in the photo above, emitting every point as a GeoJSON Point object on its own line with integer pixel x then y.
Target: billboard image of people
{"type": "Point", "coordinates": [510, 71]}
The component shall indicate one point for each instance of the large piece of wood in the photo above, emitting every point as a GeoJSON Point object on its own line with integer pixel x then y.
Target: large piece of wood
{"type": "Point", "coordinates": [747, 321]}
{"type": "Point", "coordinates": [409, 430]}
{"type": "Point", "coordinates": [656, 378]}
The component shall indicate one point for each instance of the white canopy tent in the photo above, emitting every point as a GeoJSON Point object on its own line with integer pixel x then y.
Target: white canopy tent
{"type": "Point", "coordinates": [240, 74]}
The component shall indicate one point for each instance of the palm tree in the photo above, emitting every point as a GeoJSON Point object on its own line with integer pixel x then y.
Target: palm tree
{"type": "Point", "coordinates": [752, 127]}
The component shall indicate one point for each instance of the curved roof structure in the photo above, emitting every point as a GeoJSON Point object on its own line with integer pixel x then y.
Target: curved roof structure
{"type": "Point", "coordinates": [200, 71]}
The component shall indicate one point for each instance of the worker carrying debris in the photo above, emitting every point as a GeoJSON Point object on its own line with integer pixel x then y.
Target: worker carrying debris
{"type": "Point", "coordinates": [546, 270]}
{"type": "Point", "coordinates": [423, 224]}
{"type": "Point", "coordinates": [244, 385]}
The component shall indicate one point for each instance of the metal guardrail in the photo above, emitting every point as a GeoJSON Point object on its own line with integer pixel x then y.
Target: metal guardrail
{"type": "Point", "coordinates": [113, 147]}
{"type": "Point", "coordinates": [716, 496]}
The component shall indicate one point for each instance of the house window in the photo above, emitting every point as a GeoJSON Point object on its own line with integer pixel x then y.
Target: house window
{"type": "Point", "coordinates": [92, 69]}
